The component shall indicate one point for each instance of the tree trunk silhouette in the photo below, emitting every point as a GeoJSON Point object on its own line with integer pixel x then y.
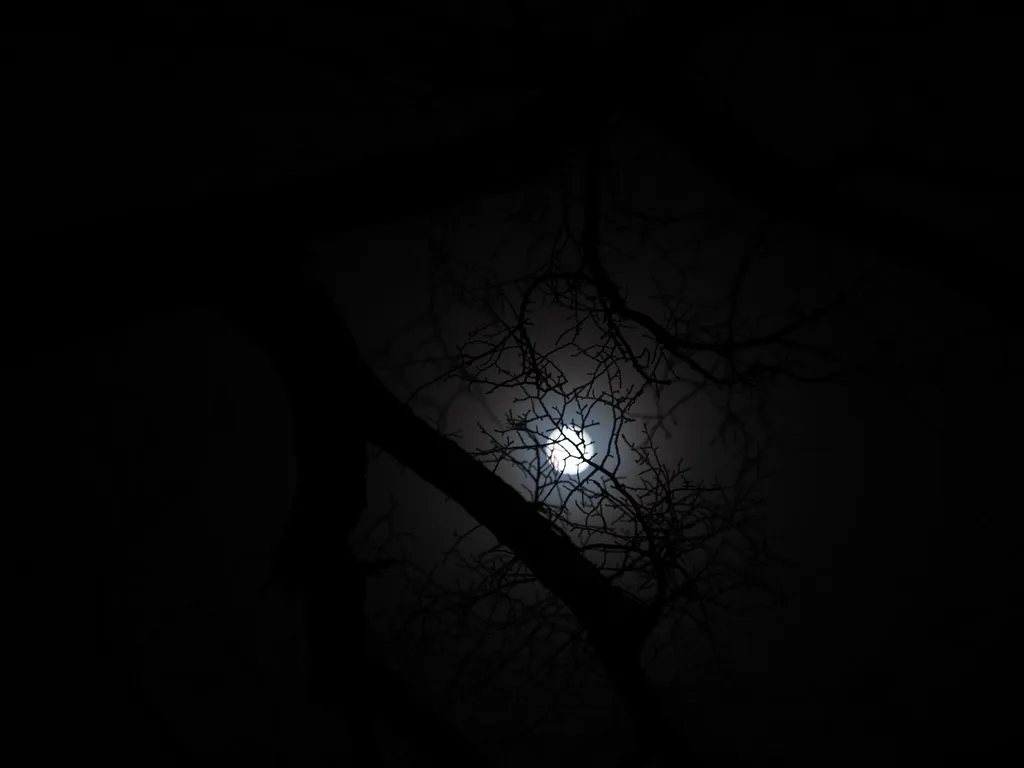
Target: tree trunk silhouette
{"type": "Point", "coordinates": [242, 252]}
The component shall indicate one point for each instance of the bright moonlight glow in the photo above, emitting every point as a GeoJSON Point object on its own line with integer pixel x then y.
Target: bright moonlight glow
{"type": "Point", "coordinates": [570, 448]}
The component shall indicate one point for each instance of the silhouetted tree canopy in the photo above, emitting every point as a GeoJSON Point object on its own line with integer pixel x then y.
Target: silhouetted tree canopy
{"type": "Point", "coordinates": [674, 253]}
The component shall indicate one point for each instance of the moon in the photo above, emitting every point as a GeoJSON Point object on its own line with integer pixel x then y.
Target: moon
{"type": "Point", "coordinates": [569, 449]}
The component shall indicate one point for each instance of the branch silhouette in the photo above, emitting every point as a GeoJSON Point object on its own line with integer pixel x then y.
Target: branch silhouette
{"type": "Point", "coordinates": [242, 251]}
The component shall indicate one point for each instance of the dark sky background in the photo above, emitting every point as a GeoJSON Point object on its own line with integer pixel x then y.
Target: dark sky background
{"type": "Point", "coordinates": [151, 472]}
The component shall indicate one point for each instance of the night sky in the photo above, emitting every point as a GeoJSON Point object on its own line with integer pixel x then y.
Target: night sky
{"type": "Point", "coordinates": [165, 182]}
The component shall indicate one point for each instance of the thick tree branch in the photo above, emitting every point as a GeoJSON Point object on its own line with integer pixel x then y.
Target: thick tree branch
{"type": "Point", "coordinates": [552, 557]}
{"type": "Point", "coordinates": [322, 364]}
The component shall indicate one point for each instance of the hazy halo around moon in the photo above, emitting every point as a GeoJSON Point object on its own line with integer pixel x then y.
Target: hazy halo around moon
{"type": "Point", "coordinates": [569, 450]}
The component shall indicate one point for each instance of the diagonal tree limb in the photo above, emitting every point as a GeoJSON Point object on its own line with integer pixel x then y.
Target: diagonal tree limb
{"type": "Point", "coordinates": [616, 625]}
{"type": "Point", "coordinates": [341, 404]}
{"type": "Point", "coordinates": [208, 256]}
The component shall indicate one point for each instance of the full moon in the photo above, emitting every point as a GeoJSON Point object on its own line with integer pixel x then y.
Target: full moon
{"type": "Point", "coordinates": [569, 450]}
